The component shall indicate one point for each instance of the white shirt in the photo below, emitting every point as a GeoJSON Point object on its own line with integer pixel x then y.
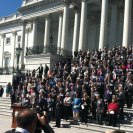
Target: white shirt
{"type": "Point", "coordinates": [22, 130]}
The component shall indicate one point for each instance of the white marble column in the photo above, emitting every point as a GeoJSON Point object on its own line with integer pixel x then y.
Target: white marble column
{"type": "Point", "coordinates": [76, 31]}
{"type": "Point", "coordinates": [127, 23]}
{"type": "Point", "coordinates": [113, 27]}
{"type": "Point", "coordinates": [2, 50]}
{"type": "Point", "coordinates": [103, 26]}
{"type": "Point", "coordinates": [34, 30]}
{"type": "Point", "coordinates": [65, 26]}
{"type": "Point", "coordinates": [47, 30]}
{"type": "Point", "coordinates": [13, 50]}
{"type": "Point", "coordinates": [59, 30]}
{"type": "Point", "coordinates": [83, 20]}
{"type": "Point", "coordinates": [23, 45]}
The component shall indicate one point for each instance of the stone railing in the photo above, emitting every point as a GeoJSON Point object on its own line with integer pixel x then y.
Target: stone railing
{"type": "Point", "coordinates": [29, 2]}
{"type": "Point", "coordinates": [10, 18]}
{"type": "Point", "coordinates": [34, 50]}
{"type": "Point", "coordinates": [53, 49]}
{"type": "Point", "coordinates": [8, 71]}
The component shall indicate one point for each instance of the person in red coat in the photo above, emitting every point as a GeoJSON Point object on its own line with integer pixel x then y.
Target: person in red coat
{"type": "Point", "coordinates": [113, 109]}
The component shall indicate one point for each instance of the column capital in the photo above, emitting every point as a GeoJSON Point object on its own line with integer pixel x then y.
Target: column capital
{"type": "Point", "coordinates": [76, 9]}
{"type": "Point", "coordinates": [2, 35]}
{"type": "Point", "coordinates": [24, 22]}
{"type": "Point", "coordinates": [66, 2]}
{"type": "Point", "coordinates": [60, 12]}
{"type": "Point", "coordinates": [28, 26]}
{"type": "Point", "coordinates": [83, 0]}
{"type": "Point", "coordinates": [14, 33]}
{"type": "Point", "coordinates": [47, 16]}
{"type": "Point", "coordinates": [34, 19]}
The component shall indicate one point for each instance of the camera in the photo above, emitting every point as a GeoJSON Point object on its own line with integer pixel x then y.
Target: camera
{"type": "Point", "coordinates": [39, 126]}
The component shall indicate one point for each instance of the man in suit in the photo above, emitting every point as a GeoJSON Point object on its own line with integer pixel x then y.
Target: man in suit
{"type": "Point", "coordinates": [40, 69]}
{"type": "Point", "coordinates": [99, 109]}
{"type": "Point", "coordinates": [26, 122]}
{"type": "Point", "coordinates": [46, 70]}
{"type": "Point", "coordinates": [129, 92]}
{"type": "Point", "coordinates": [121, 100]}
{"type": "Point", "coordinates": [58, 111]}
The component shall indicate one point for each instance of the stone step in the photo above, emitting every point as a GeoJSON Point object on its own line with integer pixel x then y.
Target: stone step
{"type": "Point", "coordinates": [121, 126]}
{"type": "Point", "coordinates": [5, 102]}
{"type": "Point", "coordinates": [5, 98]}
{"type": "Point", "coordinates": [102, 128]}
{"type": "Point", "coordinates": [126, 125]}
{"type": "Point", "coordinates": [5, 110]}
{"type": "Point", "coordinates": [5, 105]}
{"type": "Point", "coordinates": [95, 127]}
{"type": "Point", "coordinates": [5, 114]}
{"type": "Point", "coordinates": [99, 128]}
{"type": "Point", "coordinates": [128, 110]}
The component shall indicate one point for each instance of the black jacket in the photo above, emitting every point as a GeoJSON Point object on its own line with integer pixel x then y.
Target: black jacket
{"type": "Point", "coordinates": [121, 99]}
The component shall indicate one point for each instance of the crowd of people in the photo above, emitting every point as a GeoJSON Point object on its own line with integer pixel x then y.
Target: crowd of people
{"type": "Point", "coordinates": [90, 85]}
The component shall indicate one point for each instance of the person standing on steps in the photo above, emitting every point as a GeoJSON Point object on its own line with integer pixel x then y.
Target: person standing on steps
{"type": "Point", "coordinates": [40, 70]}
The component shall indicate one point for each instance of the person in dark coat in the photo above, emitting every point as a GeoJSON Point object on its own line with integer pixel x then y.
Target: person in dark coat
{"type": "Point", "coordinates": [121, 100]}
{"type": "Point", "coordinates": [67, 106]}
{"type": "Point", "coordinates": [78, 88]}
{"type": "Point", "coordinates": [93, 102]}
{"type": "Point", "coordinates": [42, 102]}
{"type": "Point", "coordinates": [40, 69]}
{"type": "Point", "coordinates": [85, 107]}
{"type": "Point", "coordinates": [58, 111]}
{"type": "Point", "coordinates": [8, 89]}
{"type": "Point", "coordinates": [26, 122]}
{"type": "Point", "coordinates": [99, 109]}
{"type": "Point", "coordinates": [46, 68]}
{"type": "Point", "coordinates": [129, 93]}
{"type": "Point", "coordinates": [1, 91]}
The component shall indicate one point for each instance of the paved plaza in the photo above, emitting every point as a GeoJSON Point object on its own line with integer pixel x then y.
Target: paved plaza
{"type": "Point", "coordinates": [5, 124]}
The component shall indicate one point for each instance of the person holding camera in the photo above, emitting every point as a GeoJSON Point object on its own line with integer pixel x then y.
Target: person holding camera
{"type": "Point", "coordinates": [30, 121]}
{"type": "Point", "coordinates": [26, 122]}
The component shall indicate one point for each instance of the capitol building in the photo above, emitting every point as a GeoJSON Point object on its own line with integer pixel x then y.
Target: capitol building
{"type": "Point", "coordinates": [42, 31]}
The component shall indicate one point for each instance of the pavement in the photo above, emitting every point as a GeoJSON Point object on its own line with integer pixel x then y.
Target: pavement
{"type": "Point", "coordinates": [5, 124]}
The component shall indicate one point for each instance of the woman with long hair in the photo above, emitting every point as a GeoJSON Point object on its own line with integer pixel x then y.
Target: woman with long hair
{"type": "Point", "coordinates": [85, 107]}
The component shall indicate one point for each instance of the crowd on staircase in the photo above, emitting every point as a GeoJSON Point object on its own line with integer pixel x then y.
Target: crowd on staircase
{"type": "Point", "coordinates": [90, 85]}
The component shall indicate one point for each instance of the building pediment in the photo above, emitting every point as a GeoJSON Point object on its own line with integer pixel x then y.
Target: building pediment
{"type": "Point", "coordinates": [41, 3]}
{"type": "Point", "coordinates": [40, 9]}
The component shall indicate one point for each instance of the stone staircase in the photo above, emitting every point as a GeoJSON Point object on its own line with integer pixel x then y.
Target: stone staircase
{"type": "Point", "coordinates": [126, 124]}
{"type": "Point", "coordinates": [5, 106]}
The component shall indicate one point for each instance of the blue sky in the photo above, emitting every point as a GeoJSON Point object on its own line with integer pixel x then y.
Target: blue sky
{"type": "Point", "coordinates": [8, 7]}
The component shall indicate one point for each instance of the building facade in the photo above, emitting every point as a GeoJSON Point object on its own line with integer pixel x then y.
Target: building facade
{"type": "Point", "coordinates": [48, 29]}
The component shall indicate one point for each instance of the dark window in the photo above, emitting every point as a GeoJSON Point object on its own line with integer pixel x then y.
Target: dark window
{"type": "Point", "coordinates": [19, 38]}
{"type": "Point", "coordinates": [8, 40]}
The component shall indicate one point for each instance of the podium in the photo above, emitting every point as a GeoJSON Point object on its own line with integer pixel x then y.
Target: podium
{"type": "Point", "coordinates": [16, 107]}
